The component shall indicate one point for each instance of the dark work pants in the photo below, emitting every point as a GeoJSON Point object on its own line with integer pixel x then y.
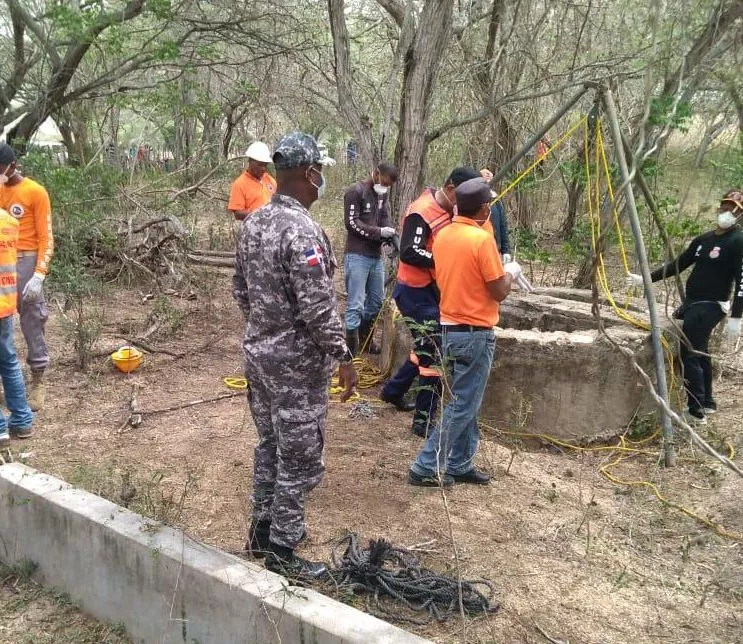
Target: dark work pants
{"type": "Point", "coordinates": [420, 309]}
{"type": "Point", "coordinates": [699, 320]}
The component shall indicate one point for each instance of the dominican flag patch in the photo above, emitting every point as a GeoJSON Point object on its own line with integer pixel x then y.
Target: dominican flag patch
{"type": "Point", "coordinates": [313, 255]}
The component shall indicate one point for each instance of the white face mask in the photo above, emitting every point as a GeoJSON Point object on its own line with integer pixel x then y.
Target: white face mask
{"type": "Point", "coordinates": [726, 219]}
{"type": "Point", "coordinates": [322, 186]}
{"type": "Point", "coordinates": [380, 189]}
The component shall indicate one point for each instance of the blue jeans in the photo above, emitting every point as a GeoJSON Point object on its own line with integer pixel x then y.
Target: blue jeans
{"type": "Point", "coordinates": [451, 446]}
{"type": "Point", "coordinates": [365, 288]}
{"type": "Point", "coordinates": [13, 385]}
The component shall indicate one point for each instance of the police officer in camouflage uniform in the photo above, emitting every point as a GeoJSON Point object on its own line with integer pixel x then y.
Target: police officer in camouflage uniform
{"type": "Point", "coordinates": [283, 284]}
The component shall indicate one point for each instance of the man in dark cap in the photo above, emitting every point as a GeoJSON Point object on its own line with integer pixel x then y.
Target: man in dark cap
{"type": "Point", "coordinates": [29, 203]}
{"type": "Point", "coordinates": [717, 260]}
{"type": "Point", "coordinates": [283, 284]}
{"type": "Point", "coordinates": [473, 282]}
{"type": "Point", "coordinates": [417, 298]}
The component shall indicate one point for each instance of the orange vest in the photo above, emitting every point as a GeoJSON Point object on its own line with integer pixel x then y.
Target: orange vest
{"type": "Point", "coordinates": [436, 218]}
{"type": "Point", "coordinates": [8, 258]}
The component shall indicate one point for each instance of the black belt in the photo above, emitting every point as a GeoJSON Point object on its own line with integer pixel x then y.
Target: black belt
{"type": "Point", "coordinates": [465, 327]}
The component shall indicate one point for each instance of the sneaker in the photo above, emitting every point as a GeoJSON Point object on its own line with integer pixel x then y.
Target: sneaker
{"type": "Point", "coordinates": [430, 480]}
{"type": "Point", "coordinates": [697, 417]}
{"type": "Point", "coordinates": [22, 432]}
{"type": "Point", "coordinates": [473, 476]}
{"type": "Point", "coordinates": [710, 407]}
{"type": "Point", "coordinates": [4, 439]}
{"type": "Point", "coordinates": [284, 561]}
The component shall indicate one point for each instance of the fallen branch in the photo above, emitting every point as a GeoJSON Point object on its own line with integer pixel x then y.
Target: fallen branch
{"type": "Point", "coordinates": [205, 260]}
{"type": "Point", "coordinates": [202, 401]}
{"type": "Point", "coordinates": [141, 344]}
{"type": "Point", "coordinates": [194, 187]}
{"type": "Point", "coordinates": [546, 636]}
{"type": "Point", "coordinates": [213, 253]}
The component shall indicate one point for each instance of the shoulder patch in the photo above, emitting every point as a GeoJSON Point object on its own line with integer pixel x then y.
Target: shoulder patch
{"type": "Point", "coordinates": [313, 255]}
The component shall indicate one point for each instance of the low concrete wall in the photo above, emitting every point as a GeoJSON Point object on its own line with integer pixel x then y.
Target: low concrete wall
{"type": "Point", "coordinates": [162, 585]}
{"type": "Point", "coordinates": [553, 373]}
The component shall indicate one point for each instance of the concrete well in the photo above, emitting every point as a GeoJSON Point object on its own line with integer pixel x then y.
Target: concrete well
{"type": "Point", "coordinates": [553, 373]}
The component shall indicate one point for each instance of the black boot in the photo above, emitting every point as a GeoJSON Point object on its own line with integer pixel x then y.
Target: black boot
{"type": "Point", "coordinates": [421, 423]}
{"type": "Point", "coordinates": [400, 403]}
{"type": "Point", "coordinates": [352, 341]}
{"type": "Point", "coordinates": [366, 339]}
{"type": "Point", "coordinates": [283, 561]}
{"type": "Point", "coordinates": [258, 542]}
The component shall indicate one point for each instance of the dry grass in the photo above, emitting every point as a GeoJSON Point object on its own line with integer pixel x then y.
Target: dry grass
{"type": "Point", "coordinates": [30, 614]}
{"type": "Point", "coordinates": [580, 558]}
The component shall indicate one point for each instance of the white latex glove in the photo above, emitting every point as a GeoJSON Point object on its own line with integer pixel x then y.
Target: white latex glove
{"type": "Point", "coordinates": [387, 232]}
{"type": "Point", "coordinates": [506, 258]}
{"type": "Point", "coordinates": [513, 269]}
{"type": "Point", "coordinates": [32, 290]}
{"type": "Point", "coordinates": [633, 279]}
{"type": "Point", "coordinates": [732, 329]}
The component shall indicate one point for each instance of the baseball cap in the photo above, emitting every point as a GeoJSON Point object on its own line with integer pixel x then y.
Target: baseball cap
{"type": "Point", "coordinates": [462, 174]}
{"type": "Point", "coordinates": [734, 197]}
{"type": "Point", "coordinates": [472, 195]}
{"type": "Point", "coordinates": [298, 149]}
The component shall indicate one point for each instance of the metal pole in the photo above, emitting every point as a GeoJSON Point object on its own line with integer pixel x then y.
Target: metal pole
{"type": "Point", "coordinates": [535, 139]}
{"type": "Point", "coordinates": [645, 189]}
{"type": "Point", "coordinates": [655, 329]}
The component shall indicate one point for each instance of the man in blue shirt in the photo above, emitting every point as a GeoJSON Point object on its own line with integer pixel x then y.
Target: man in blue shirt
{"type": "Point", "coordinates": [499, 220]}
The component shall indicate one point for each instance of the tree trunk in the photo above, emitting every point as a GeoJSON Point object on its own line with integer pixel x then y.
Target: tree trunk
{"type": "Point", "coordinates": [711, 132]}
{"type": "Point", "coordinates": [421, 67]}
{"type": "Point", "coordinates": [357, 119]}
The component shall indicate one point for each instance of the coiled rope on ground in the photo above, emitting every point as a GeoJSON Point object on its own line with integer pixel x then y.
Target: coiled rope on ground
{"type": "Point", "coordinates": [389, 576]}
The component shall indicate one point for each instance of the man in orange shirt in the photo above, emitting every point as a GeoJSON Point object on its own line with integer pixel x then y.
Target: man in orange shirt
{"type": "Point", "coordinates": [28, 202]}
{"type": "Point", "coordinates": [19, 422]}
{"type": "Point", "coordinates": [417, 298]}
{"type": "Point", "coordinates": [254, 188]}
{"type": "Point", "coordinates": [473, 282]}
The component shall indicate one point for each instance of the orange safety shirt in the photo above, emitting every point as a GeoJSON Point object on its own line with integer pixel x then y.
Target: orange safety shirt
{"type": "Point", "coordinates": [29, 203]}
{"type": "Point", "coordinates": [249, 193]}
{"type": "Point", "coordinates": [8, 257]}
{"type": "Point", "coordinates": [466, 257]}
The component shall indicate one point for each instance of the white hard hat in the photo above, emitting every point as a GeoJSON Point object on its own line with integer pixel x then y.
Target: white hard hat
{"type": "Point", "coordinates": [259, 151]}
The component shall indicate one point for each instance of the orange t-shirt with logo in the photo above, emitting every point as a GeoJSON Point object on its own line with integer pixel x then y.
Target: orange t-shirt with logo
{"type": "Point", "coordinates": [29, 203]}
{"type": "Point", "coordinates": [466, 257]}
{"type": "Point", "coordinates": [249, 193]}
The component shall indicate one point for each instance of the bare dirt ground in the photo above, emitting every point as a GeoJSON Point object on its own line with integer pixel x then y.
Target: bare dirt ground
{"type": "Point", "coordinates": [570, 553]}
{"type": "Point", "coordinates": [30, 614]}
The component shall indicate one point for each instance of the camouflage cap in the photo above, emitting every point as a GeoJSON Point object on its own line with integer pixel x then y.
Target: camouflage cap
{"type": "Point", "coordinates": [297, 149]}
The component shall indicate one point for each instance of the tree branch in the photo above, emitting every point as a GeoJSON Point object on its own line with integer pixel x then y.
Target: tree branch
{"type": "Point", "coordinates": [395, 8]}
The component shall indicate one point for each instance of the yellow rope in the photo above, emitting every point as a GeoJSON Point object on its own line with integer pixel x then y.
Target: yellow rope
{"type": "Point", "coordinates": [557, 144]}
{"type": "Point", "coordinates": [368, 374]}
{"type": "Point", "coordinates": [626, 449]}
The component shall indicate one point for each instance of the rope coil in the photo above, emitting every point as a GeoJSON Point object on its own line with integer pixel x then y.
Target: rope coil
{"type": "Point", "coordinates": [386, 573]}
